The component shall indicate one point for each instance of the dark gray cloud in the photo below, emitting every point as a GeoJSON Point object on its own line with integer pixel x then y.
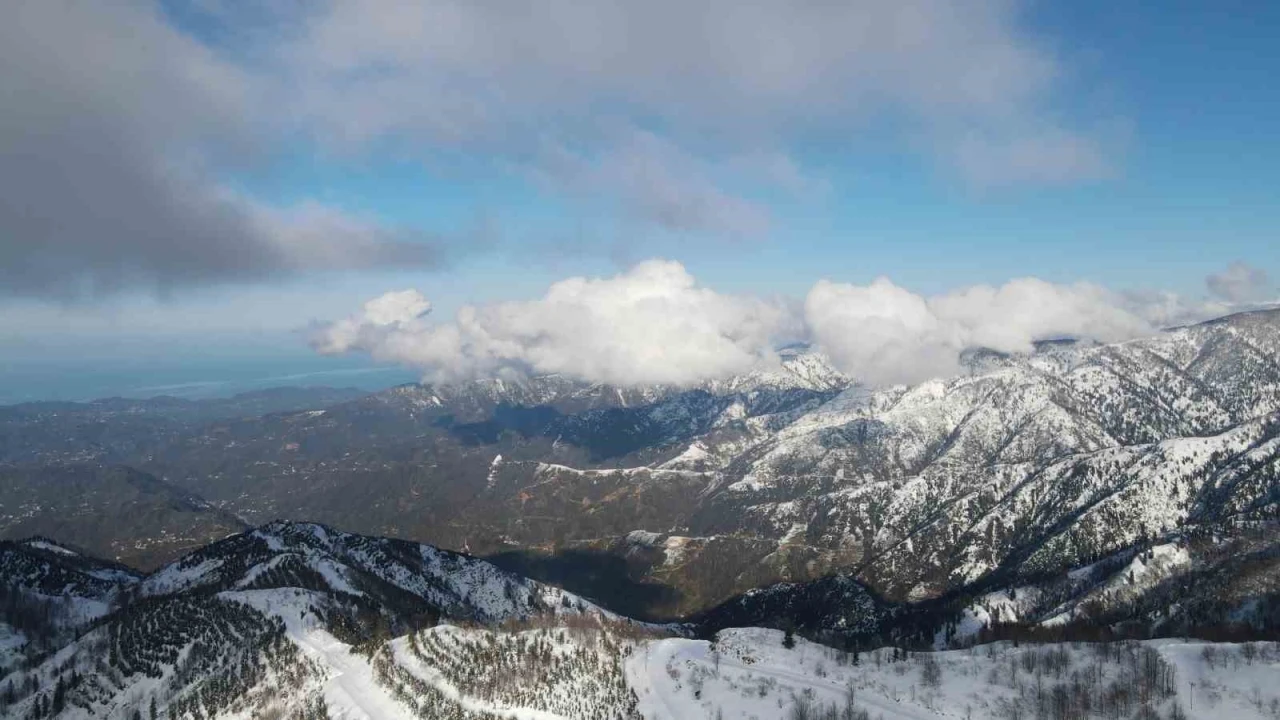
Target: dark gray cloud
{"type": "Point", "coordinates": [110, 142]}
{"type": "Point", "coordinates": [1240, 283]}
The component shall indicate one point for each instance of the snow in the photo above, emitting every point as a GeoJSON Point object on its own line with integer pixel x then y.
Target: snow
{"type": "Point", "coordinates": [493, 471]}
{"type": "Point", "coordinates": [177, 577]}
{"type": "Point", "coordinates": [643, 537]}
{"type": "Point", "coordinates": [11, 641]}
{"type": "Point", "coordinates": [433, 677]}
{"type": "Point", "coordinates": [112, 575]}
{"type": "Point", "coordinates": [350, 690]}
{"type": "Point", "coordinates": [42, 545]}
{"type": "Point", "coordinates": [756, 677]}
{"type": "Point", "coordinates": [1235, 689]}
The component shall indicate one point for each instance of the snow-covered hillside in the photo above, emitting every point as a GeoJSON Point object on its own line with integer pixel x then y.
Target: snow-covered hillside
{"type": "Point", "coordinates": [49, 592]}
{"type": "Point", "coordinates": [310, 555]}
{"type": "Point", "coordinates": [303, 621]}
{"type": "Point", "coordinates": [749, 674]}
{"type": "Point", "coordinates": [268, 653]}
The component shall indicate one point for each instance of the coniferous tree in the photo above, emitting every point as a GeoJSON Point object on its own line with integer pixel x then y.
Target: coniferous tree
{"type": "Point", "coordinates": [59, 696]}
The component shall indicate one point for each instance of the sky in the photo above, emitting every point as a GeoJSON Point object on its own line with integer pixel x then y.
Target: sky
{"type": "Point", "coordinates": [218, 194]}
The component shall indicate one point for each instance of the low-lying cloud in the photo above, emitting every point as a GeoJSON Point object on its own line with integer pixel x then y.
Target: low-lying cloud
{"type": "Point", "coordinates": [1240, 282]}
{"type": "Point", "coordinates": [655, 325]}
{"type": "Point", "coordinates": [650, 325]}
{"type": "Point", "coordinates": [884, 334]}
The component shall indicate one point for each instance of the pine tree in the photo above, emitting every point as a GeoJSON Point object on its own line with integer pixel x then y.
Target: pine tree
{"type": "Point", "coordinates": [59, 696]}
{"type": "Point", "coordinates": [153, 707]}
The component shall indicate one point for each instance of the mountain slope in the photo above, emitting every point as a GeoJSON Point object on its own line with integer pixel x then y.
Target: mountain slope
{"type": "Point", "coordinates": [113, 511]}
{"type": "Point", "coordinates": [688, 497]}
{"type": "Point", "coordinates": [268, 618]}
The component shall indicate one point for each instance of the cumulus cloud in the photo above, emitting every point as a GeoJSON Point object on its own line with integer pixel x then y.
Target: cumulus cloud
{"type": "Point", "coordinates": [651, 324]}
{"type": "Point", "coordinates": [113, 126]}
{"type": "Point", "coordinates": [1239, 283]}
{"type": "Point", "coordinates": [884, 334]}
{"type": "Point", "coordinates": [655, 324]}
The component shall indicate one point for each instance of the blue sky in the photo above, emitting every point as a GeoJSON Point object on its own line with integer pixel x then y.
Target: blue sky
{"type": "Point", "coordinates": [1189, 86]}
{"type": "Point", "coordinates": [230, 179]}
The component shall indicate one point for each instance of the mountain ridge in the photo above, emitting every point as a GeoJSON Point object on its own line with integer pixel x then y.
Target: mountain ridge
{"type": "Point", "coordinates": [1042, 460]}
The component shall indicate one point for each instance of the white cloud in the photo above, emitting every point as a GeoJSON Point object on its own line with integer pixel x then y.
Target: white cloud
{"type": "Point", "coordinates": [884, 334]}
{"type": "Point", "coordinates": [704, 63]}
{"type": "Point", "coordinates": [654, 324]}
{"type": "Point", "coordinates": [1239, 283]}
{"type": "Point", "coordinates": [713, 77]}
{"type": "Point", "coordinates": [649, 178]}
{"type": "Point", "coordinates": [651, 324]}
{"type": "Point", "coordinates": [115, 163]}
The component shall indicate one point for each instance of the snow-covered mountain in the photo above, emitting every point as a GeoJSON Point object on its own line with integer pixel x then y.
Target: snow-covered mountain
{"type": "Point", "coordinates": [302, 621]}
{"type": "Point", "coordinates": [1036, 463]}
{"type": "Point", "coordinates": [665, 502]}
{"type": "Point", "coordinates": [258, 619]}
{"type": "Point", "coordinates": [395, 573]}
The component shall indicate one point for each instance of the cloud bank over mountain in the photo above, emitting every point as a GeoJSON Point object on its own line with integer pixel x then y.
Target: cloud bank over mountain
{"type": "Point", "coordinates": [655, 324]}
{"type": "Point", "coordinates": [885, 334]}
{"type": "Point", "coordinates": [1240, 282]}
{"type": "Point", "coordinates": [650, 324]}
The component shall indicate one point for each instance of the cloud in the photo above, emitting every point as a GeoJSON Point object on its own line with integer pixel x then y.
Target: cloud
{"type": "Point", "coordinates": [884, 334]}
{"type": "Point", "coordinates": [116, 132]}
{"type": "Point", "coordinates": [966, 77]}
{"type": "Point", "coordinates": [650, 179]}
{"type": "Point", "coordinates": [655, 324]}
{"type": "Point", "coordinates": [128, 124]}
{"type": "Point", "coordinates": [698, 64]}
{"type": "Point", "coordinates": [1165, 309]}
{"type": "Point", "coordinates": [650, 325]}
{"type": "Point", "coordinates": [1239, 283]}
{"type": "Point", "coordinates": [380, 316]}
{"type": "Point", "coordinates": [1048, 156]}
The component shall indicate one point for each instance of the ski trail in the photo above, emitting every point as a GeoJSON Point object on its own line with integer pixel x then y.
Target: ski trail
{"type": "Point", "coordinates": [352, 691]}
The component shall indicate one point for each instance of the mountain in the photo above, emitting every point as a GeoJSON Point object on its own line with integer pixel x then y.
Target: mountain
{"type": "Point", "coordinates": [48, 591]}
{"type": "Point", "coordinates": [388, 572]}
{"type": "Point", "coordinates": [300, 620]}
{"type": "Point", "coordinates": [234, 626]}
{"type": "Point", "coordinates": [1221, 583]}
{"type": "Point", "coordinates": [114, 511]}
{"type": "Point", "coordinates": [672, 501]}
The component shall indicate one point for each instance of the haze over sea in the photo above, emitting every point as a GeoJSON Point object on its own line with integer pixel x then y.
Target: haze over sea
{"type": "Point", "coordinates": [25, 381]}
